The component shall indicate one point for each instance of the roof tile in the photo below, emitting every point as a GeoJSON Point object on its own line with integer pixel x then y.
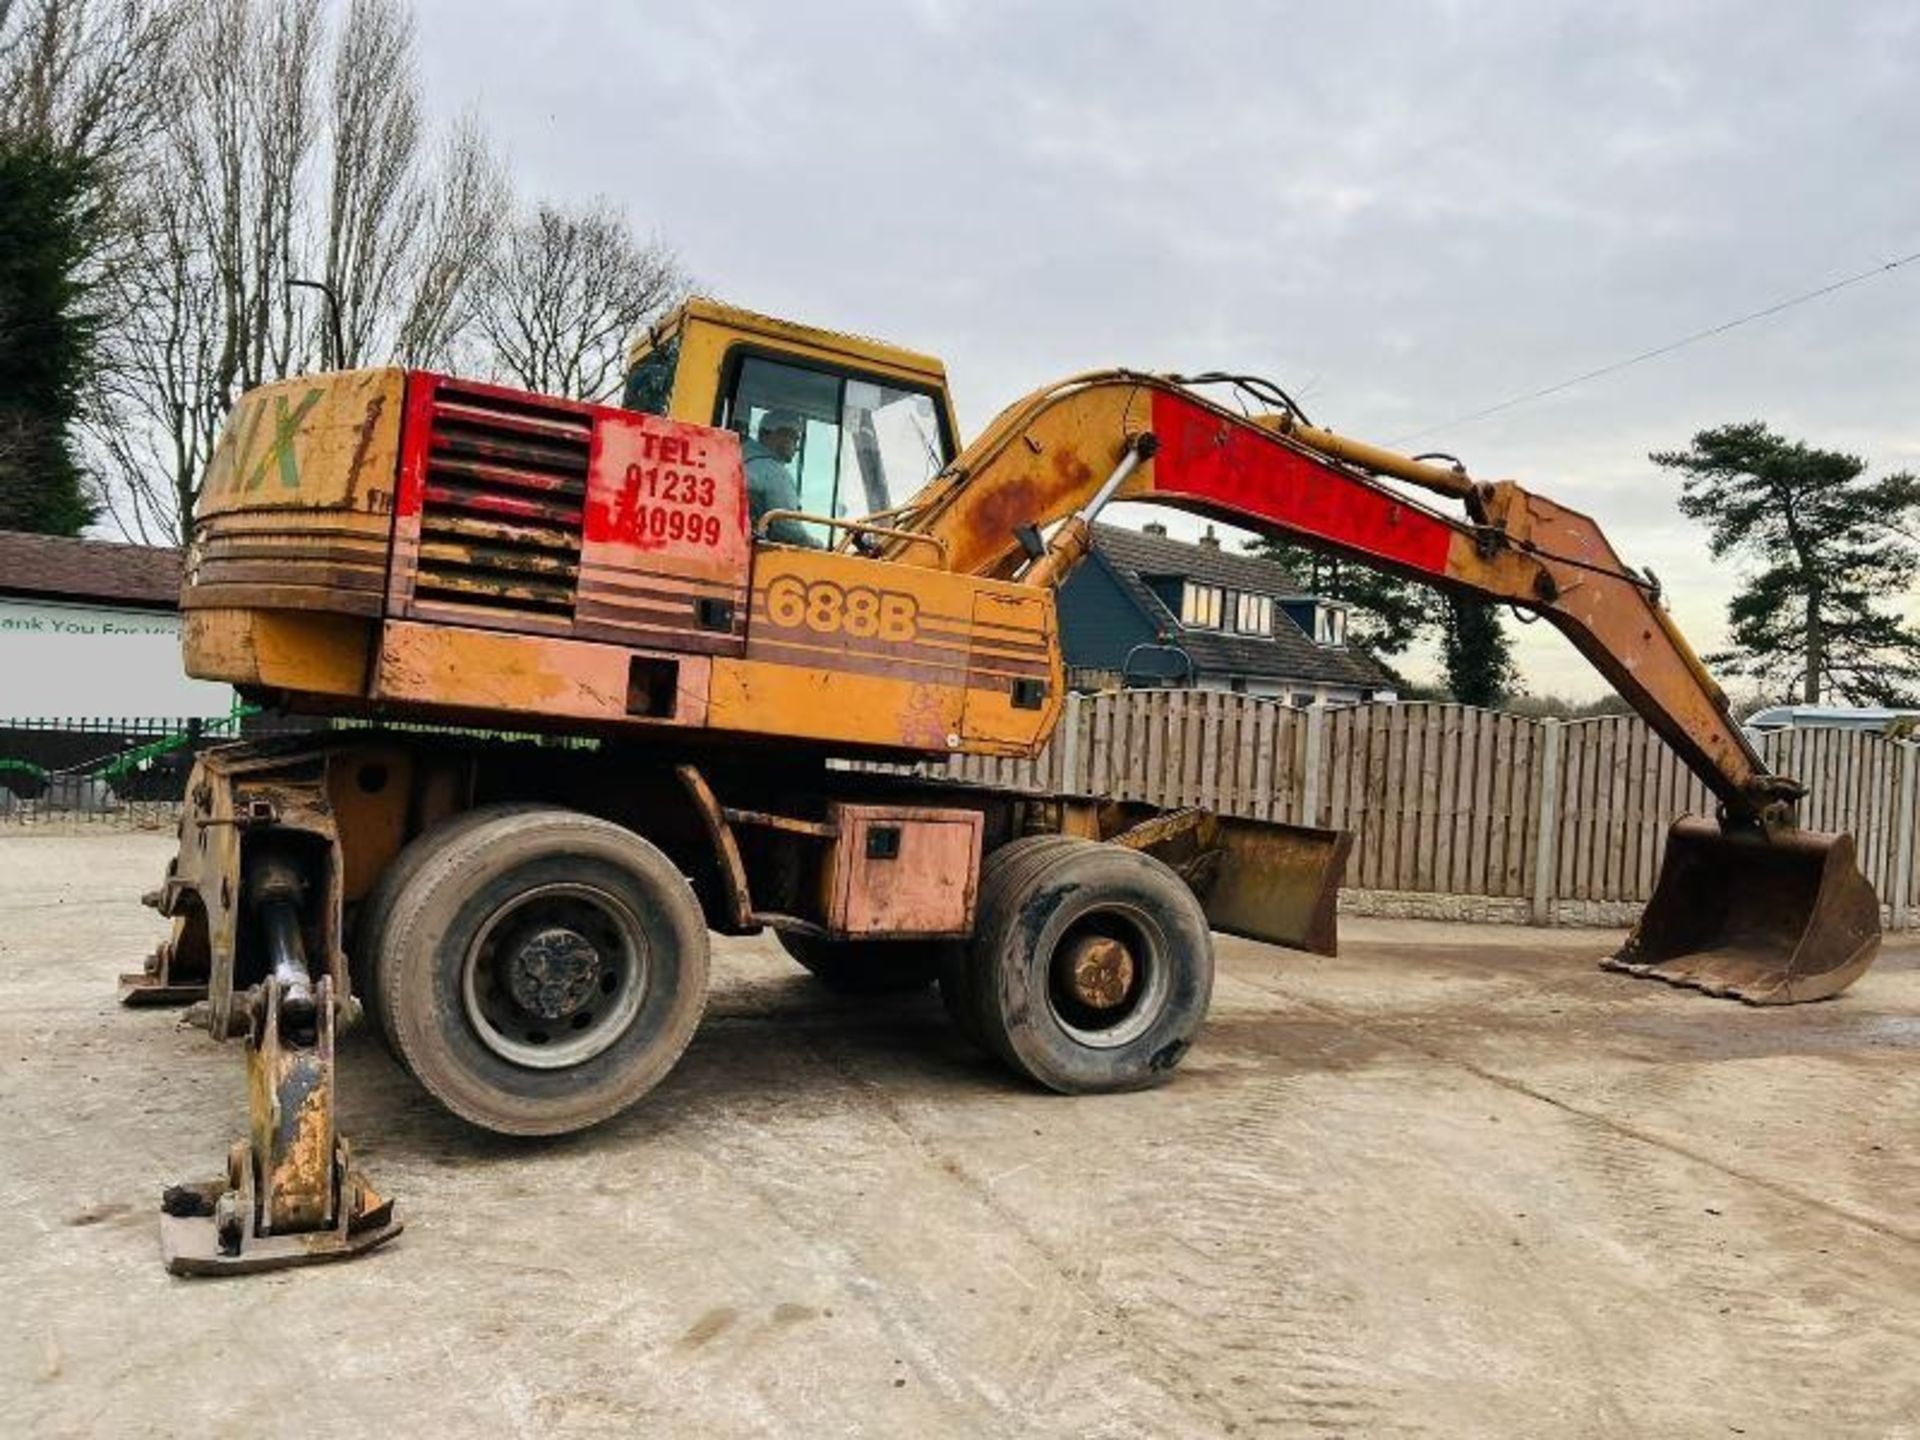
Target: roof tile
{"type": "Point", "coordinates": [1288, 654]}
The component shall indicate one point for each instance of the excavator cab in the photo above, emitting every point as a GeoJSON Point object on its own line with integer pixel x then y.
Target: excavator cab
{"type": "Point", "coordinates": [877, 422]}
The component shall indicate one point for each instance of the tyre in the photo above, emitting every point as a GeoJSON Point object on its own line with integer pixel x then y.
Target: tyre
{"type": "Point", "coordinates": [1002, 872]}
{"type": "Point", "coordinates": [1093, 970]}
{"type": "Point", "coordinates": [540, 970]}
{"type": "Point", "coordinates": [867, 967]}
{"type": "Point", "coordinates": [371, 923]}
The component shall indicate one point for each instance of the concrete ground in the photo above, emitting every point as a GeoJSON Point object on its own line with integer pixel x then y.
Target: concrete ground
{"type": "Point", "coordinates": [1455, 1182]}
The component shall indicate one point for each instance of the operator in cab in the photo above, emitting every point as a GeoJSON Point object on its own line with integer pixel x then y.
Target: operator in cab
{"type": "Point", "coordinates": [770, 480]}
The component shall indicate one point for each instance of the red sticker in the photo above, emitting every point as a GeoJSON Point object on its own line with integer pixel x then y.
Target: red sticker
{"type": "Point", "coordinates": [667, 489]}
{"type": "Point", "coordinates": [1237, 469]}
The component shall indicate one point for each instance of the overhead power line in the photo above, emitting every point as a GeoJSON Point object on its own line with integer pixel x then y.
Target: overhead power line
{"type": "Point", "coordinates": [1659, 350]}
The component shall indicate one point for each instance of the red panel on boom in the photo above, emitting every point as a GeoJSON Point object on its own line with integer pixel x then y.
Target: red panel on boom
{"type": "Point", "coordinates": [1235, 468]}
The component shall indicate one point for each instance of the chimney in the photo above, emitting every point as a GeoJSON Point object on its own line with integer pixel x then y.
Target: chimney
{"type": "Point", "coordinates": [1210, 540]}
{"type": "Point", "coordinates": [1154, 527]}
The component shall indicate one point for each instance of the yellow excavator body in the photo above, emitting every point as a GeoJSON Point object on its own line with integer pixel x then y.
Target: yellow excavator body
{"type": "Point", "coordinates": [774, 558]}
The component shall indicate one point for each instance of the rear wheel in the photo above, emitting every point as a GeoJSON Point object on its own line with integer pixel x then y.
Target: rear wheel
{"type": "Point", "coordinates": [1093, 969]}
{"type": "Point", "coordinates": [867, 967]}
{"type": "Point", "coordinates": [541, 970]}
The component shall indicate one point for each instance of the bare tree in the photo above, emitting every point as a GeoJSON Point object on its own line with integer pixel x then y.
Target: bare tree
{"type": "Point", "coordinates": [375, 202]}
{"type": "Point", "coordinates": [83, 73]}
{"type": "Point", "coordinates": [286, 160]}
{"type": "Point", "coordinates": [567, 291]}
{"type": "Point", "coordinates": [277, 148]}
{"type": "Point", "coordinates": [161, 403]}
{"type": "Point", "coordinates": [459, 235]}
{"type": "Point", "coordinates": [224, 199]}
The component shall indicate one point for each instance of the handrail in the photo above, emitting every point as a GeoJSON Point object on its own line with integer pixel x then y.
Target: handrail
{"type": "Point", "coordinates": [859, 527]}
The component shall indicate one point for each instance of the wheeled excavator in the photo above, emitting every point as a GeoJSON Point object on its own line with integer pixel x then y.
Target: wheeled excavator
{"type": "Point", "coordinates": [442, 566]}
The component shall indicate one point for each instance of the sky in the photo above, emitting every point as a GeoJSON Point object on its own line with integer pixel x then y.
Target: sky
{"type": "Point", "coordinates": [1401, 212]}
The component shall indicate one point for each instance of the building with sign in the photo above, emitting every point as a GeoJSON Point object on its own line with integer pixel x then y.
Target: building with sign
{"type": "Point", "coordinates": [90, 630]}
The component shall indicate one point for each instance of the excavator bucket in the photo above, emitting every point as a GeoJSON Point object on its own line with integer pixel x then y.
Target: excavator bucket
{"type": "Point", "coordinates": [1770, 918]}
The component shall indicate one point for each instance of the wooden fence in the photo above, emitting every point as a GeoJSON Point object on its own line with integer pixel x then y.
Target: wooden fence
{"type": "Point", "coordinates": [1559, 818]}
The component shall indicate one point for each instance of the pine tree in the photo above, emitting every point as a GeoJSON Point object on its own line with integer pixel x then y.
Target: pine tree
{"type": "Point", "coordinates": [1477, 652]}
{"type": "Point", "coordinates": [46, 334]}
{"type": "Point", "coordinates": [1829, 557]}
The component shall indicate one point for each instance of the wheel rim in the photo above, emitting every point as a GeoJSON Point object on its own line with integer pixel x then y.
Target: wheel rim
{"type": "Point", "coordinates": [555, 976]}
{"type": "Point", "coordinates": [1107, 981]}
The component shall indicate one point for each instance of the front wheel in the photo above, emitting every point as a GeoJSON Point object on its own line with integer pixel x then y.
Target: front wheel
{"type": "Point", "coordinates": [1005, 872]}
{"type": "Point", "coordinates": [1092, 969]}
{"type": "Point", "coordinates": [541, 970]}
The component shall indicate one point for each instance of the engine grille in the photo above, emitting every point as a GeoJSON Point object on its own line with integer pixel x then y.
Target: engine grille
{"type": "Point", "coordinates": [500, 517]}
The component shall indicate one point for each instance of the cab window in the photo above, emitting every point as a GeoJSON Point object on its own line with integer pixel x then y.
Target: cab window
{"type": "Point", "coordinates": [865, 445]}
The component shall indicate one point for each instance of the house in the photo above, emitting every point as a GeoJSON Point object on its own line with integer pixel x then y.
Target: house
{"type": "Point", "coordinates": [1144, 608]}
{"type": "Point", "coordinates": [90, 630]}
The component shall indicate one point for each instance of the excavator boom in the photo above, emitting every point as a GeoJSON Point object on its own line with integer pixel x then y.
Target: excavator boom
{"type": "Point", "coordinates": [1805, 931]}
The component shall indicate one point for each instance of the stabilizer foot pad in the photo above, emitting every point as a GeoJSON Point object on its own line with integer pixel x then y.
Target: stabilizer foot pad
{"type": "Point", "coordinates": [160, 981]}
{"type": "Point", "coordinates": [190, 1245]}
{"type": "Point", "coordinates": [141, 990]}
{"type": "Point", "coordinates": [209, 1228]}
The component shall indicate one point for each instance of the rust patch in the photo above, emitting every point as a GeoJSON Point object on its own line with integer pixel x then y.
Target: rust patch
{"type": "Point", "coordinates": [290, 1109]}
{"type": "Point", "coordinates": [1100, 972]}
{"type": "Point", "coordinates": [923, 721]}
{"type": "Point", "coordinates": [1003, 508]}
{"type": "Point", "coordinates": [362, 443]}
{"type": "Point", "coordinates": [1073, 472]}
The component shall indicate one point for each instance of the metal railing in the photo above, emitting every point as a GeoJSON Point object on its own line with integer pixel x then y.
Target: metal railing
{"type": "Point", "coordinates": [131, 771]}
{"type": "Point", "coordinates": [123, 770]}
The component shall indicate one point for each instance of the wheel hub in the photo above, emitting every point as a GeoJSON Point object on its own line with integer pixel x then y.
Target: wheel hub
{"type": "Point", "coordinates": [1108, 976]}
{"type": "Point", "coordinates": [554, 972]}
{"type": "Point", "coordinates": [556, 976]}
{"type": "Point", "coordinates": [1100, 972]}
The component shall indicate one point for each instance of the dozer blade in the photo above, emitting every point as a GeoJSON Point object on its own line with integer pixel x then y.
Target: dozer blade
{"type": "Point", "coordinates": [1258, 879]}
{"type": "Point", "coordinates": [1772, 919]}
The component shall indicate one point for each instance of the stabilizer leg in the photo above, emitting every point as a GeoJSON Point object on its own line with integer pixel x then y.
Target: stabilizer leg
{"type": "Point", "coordinates": [291, 1195]}
{"type": "Point", "coordinates": [259, 870]}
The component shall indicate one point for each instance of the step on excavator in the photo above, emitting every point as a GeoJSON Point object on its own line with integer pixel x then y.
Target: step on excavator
{"type": "Point", "coordinates": [448, 568]}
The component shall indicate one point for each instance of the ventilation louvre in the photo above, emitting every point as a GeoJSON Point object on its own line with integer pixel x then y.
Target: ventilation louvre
{"type": "Point", "coordinates": [500, 515]}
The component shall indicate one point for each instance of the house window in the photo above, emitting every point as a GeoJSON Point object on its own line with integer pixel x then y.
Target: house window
{"type": "Point", "coordinates": [1201, 606]}
{"type": "Point", "coordinates": [1330, 625]}
{"type": "Point", "coordinates": [1253, 614]}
